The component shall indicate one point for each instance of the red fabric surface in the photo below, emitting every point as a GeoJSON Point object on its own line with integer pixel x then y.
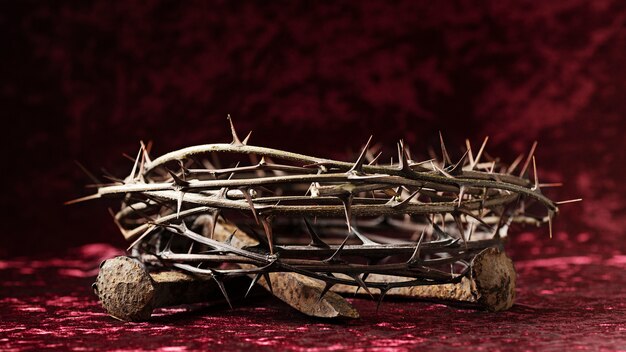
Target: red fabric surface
{"type": "Point", "coordinates": [87, 80]}
{"type": "Point", "coordinates": [564, 303]}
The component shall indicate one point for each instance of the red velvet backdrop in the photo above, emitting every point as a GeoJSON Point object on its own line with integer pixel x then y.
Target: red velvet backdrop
{"type": "Point", "coordinates": [87, 81]}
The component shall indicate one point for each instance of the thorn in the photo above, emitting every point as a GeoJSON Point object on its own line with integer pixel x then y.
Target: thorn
{"type": "Point", "coordinates": [441, 171]}
{"type": "Point", "coordinates": [268, 232]}
{"type": "Point", "coordinates": [569, 201]}
{"type": "Point", "coordinates": [220, 284]}
{"type": "Point", "coordinates": [347, 207]}
{"type": "Point", "coordinates": [236, 141]}
{"type": "Point", "coordinates": [364, 277]}
{"type": "Point", "coordinates": [146, 151]}
{"type": "Point", "coordinates": [548, 185]}
{"type": "Point", "coordinates": [266, 276]}
{"type": "Point", "coordinates": [375, 160]}
{"type": "Point", "coordinates": [82, 199]}
{"type": "Point", "coordinates": [254, 281]}
{"type": "Point", "coordinates": [459, 224]}
{"type": "Point", "coordinates": [168, 245]}
{"type": "Point", "coordinates": [179, 202]}
{"type": "Point", "coordinates": [184, 170]}
{"type": "Point", "coordinates": [245, 140]}
{"type": "Point", "coordinates": [362, 284]}
{"type": "Point", "coordinates": [468, 145]}
{"type": "Point", "coordinates": [336, 254]}
{"type": "Point", "coordinates": [403, 158]}
{"type": "Point", "coordinates": [536, 185]}
{"type": "Point", "coordinates": [383, 292]}
{"type": "Point", "coordinates": [514, 164]}
{"type": "Point", "coordinates": [117, 223]}
{"type": "Point", "coordinates": [143, 235]}
{"type": "Point", "coordinates": [91, 176]}
{"type": "Point", "coordinates": [366, 241]}
{"type": "Point", "coordinates": [406, 201]}
{"type": "Point", "coordinates": [248, 197]}
{"type": "Point", "coordinates": [550, 214]}
{"type": "Point", "coordinates": [229, 240]}
{"type": "Point", "coordinates": [472, 227]}
{"type": "Point", "coordinates": [416, 254]}
{"type": "Point", "coordinates": [214, 216]}
{"type": "Point", "coordinates": [457, 169]}
{"type": "Point", "coordinates": [480, 153]}
{"type": "Point", "coordinates": [325, 290]}
{"type": "Point", "coordinates": [461, 193]}
{"type": "Point", "coordinates": [358, 165]}
{"type": "Point", "coordinates": [444, 152]}
{"type": "Point", "coordinates": [132, 172]}
{"type": "Point", "coordinates": [530, 155]}
{"type": "Point", "coordinates": [315, 239]}
{"type": "Point", "coordinates": [177, 180]}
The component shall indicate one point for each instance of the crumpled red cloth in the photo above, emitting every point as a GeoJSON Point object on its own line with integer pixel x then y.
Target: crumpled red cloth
{"type": "Point", "coordinates": [564, 303]}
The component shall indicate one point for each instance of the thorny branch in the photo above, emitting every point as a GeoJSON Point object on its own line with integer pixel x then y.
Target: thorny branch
{"type": "Point", "coordinates": [422, 221]}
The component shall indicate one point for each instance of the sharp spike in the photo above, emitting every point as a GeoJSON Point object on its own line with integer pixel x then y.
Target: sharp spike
{"type": "Point", "coordinates": [383, 292]}
{"type": "Point", "coordinates": [375, 160]}
{"type": "Point", "coordinates": [347, 207]}
{"type": "Point", "coordinates": [358, 165]}
{"type": "Point", "coordinates": [245, 140]}
{"type": "Point", "coordinates": [268, 232]}
{"type": "Point", "coordinates": [91, 176]}
{"type": "Point", "coordinates": [220, 284]}
{"type": "Point", "coordinates": [553, 184]}
{"type": "Point", "coordinates": [177, 180]}
{"type": "Point", "coordinates": [536, 185]}
{"type": "Point", "coordinates": [416, 254]}
{"type": "Point", "coordinates": [132, 172]}
{"type": "Point", "coordinates": [550, 222]}
{"type": "Point", "coordinates": [461, 193]}
{"type": "Point", "coordinates": [480, 153]}
{"type": "Point", "coordinates": [530, 155]}
{"type": "Point", "coordinates": [444, 151]}
{"type": "Point", "coordinates": [266, 276]}
{"type": "Point", "coordinates": [325, 290]}
{"type": "Point", "coordinates": [366, 241]}
{"type": "Point", "coordinates": [514, 164]}
{"type": "Point", "coordinates": [179, 202]}
{"type": "Point", "coordinates": [468, 145]}
{"type": "Point", "coordinates": [569, 201]}
{"type": "Point", "coordinates": [459, 224]}
{"type": "Point", "coordinates": [142, 236]}
{"type": "Point", "coordinates": [363, 277]}
{"type": "Point", "coordinates": [336, 253]}
{"type": "Point", "coordinates": [362, 284]}
{"type": "Point", "coordinates": [82, 199]}
{"type": "Point", "coordinates": [229, 240]}
{"type": "Point", "coordinates": [214, 217]}
{"type": "Point", "coordinates": [248, 197]}
{"type": "Point", "coordinates": [146, 151]}
{"type": "Point", "coordinates": [168, 244]}
{"type": "Point", "coordinates": [236, 141]}
{"type": "Point", "coordinates": [315, 239]}
{"type": "Point", "coordinates": [405, 202]}
{"type": "Point", "coordinates": [457, 169]}
{"type": "Point", "coordinates": [403, 158]}
{"type": "Point", "coordinates": [472, 227]}
{"type": "Point", "coordinates": [441, 171]}
{"type": "Point", "coordinates": [254, 281]}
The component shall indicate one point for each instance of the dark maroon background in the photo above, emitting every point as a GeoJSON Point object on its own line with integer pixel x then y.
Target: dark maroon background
{"type": "Point", "coordinates": [87, 80]}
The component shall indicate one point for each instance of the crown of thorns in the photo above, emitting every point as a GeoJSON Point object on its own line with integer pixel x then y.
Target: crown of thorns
{"type": "Point", "coordinates": [418, 223]}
